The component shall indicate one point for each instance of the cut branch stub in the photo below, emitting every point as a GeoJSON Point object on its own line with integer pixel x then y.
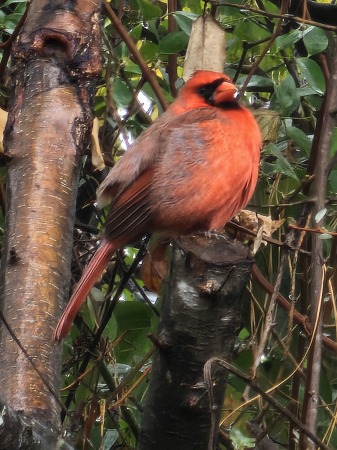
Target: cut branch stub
{"type": "Point", "coordinates": [199, 320]}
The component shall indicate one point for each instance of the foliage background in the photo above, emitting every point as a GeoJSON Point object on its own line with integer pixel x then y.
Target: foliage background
{"type": "Point", "coordinates": [104, 394]}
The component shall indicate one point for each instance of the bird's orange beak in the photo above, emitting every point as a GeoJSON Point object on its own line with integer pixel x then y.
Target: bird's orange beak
{"type": "Point", "coordinates": [226, 92]}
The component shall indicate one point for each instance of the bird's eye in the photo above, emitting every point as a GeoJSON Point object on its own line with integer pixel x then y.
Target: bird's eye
{"type": "Point", "coordinates": [203, 90]}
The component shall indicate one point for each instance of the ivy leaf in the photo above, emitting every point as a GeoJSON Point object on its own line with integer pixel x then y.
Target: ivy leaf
{"type": "Point", "coordinates": [333, 181]}
{"type": "Point", "coordinates": [121, 93]}
{"type": "Point", "coordinates": [192, 5]}
{"type": "Point", "coordinates": [9, 2]}
{"type": "Point", "coordinates": [173, 42]}
{"type": "Point", "coordinates": [136, 32]}
{"type": "Point", "coordinates": [148, 10]}
{"type": "Point", "coordinates": [333, 149]}
{"type": "Point", "coordinates": [285, 98]}
{"type": "Point", "coordinates": [110, 437]}
{"type": "Point", "coordinates": [312, 74]}
{"type": "Point", "coordinates": [185, 20]}
{"type": "Point", "coordinates": [287, 40]}
{"type": "Point", "coordinates": [305, 91]}
{"type": "Point", "coordinates": [282, 164]}
{"type": "Point", "coordinates": [241, 440]}
{"type": "Point", "coordinates": [300, 139]}
{"type": "Point", "coordinates": [148, 50]}
{"type": "Point", "coordinates": [132, 68]}
{"type": "Point", "coordinates": [257, 81]}
{"type": "Point", "coordinates": [315, 40]}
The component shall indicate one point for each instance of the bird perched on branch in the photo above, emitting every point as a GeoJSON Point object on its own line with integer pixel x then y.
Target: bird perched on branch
{"type": "Point", "coordinates": [192, 170]}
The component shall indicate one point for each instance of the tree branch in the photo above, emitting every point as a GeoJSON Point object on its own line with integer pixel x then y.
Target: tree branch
{"type": "Point", "coordinates": [318, 279]}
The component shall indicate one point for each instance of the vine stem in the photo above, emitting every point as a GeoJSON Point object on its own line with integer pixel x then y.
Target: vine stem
{"type": "Point", "coordinates": [282, 16]}
{"type": "Point", "coordinates": [172, 59]}
{"type": "Point", "coordinates": [148, 74]}
{"type": "Point", "coordinates": [284, 9]}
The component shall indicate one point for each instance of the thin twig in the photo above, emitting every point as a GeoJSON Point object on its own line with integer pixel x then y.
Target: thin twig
{"type": "Point", "coordinates": [280, 16]}
{"type": "Point", "coordinates": [146, 71]}
{"type": "Point", "coordinates": [284, 303]}
{"type": "Point", "coordinates": [7, 46]}
{"type": "Point", "coordinates": [245, 47]}
{"type": "Point", "coordinates": [317, 230]}
{"type": "Point", "coordinates": [284, 9]}
{"type": "Point", "coordinates": [269, 321]}
{"type": "Point", "coordinates": [264, 395]}
{"type": "Point", "coordinates": [92, 350]}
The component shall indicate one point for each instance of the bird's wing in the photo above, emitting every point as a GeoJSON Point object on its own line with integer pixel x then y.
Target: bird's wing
{"type": "Point", "coordinates": [189, 149]}
{"type": "Point", "coordinates": [137, 159]}
{"type": "Point", "coordinates": [127, 188]}
{"type": "Point", "coordinates": [210, 168]}
{"type": "Point", "coordinates": [129, 216]}
{"type": "Point", "coordinates": [147, 149]}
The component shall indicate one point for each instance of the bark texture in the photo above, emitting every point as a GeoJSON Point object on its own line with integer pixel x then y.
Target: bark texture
{"type": "Point", "coordinates": [18, 432]}
{"type": "Point", "coordinates": [56, 62]}
{"type": "Point", "coordinates": [318, 277]}
{"type": "Point", "coordinates": [199, 321]}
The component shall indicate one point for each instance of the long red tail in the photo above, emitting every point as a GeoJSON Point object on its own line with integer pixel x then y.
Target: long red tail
{"type": "Point", "coordinates": [96, 266]}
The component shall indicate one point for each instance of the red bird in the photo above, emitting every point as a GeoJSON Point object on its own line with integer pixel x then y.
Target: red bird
{"type": "Point", "coordinates": [192, 170]}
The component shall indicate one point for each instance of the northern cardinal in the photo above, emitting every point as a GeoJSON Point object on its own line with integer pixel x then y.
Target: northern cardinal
{"type": "Point", "coordinates": [192, 170]}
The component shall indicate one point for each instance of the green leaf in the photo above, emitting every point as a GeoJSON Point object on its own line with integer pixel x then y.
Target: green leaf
{"type": "Point", "coordinates": [192, 5]}
{"type": "Point", "coordinates": [136, 319]}
{"type": "Point", "coordinates": [149, 10]}
{"type": "Point", "coordinates": [288, 39]}
{"type": "Point", "coordinates": [133, 316]}
{"type": "Point", "coordinates": [185, 20]}
{"type": "Point", "coordinates": [325, 236]}
{"type": "Point", "coordinates": [333, 149]}
{"type": "Point", "coordinates": [132, 68]}
{"type": "Point", "coordinates": [300, 139]}
{"type": "Point", "coordinates": [282, 164]}
{"type": "Point", "coordinates": [315, 40]}
{"type": "Point", "coordinates": [136, 32]}
{"type": "Point", "coordinates": [149, 50]}
{"type": "Point", "coordinates": [173, 42]}
{"type": "Point", "coordinates": [305, 91]}
{"type": "Point", "coordinates": [312, 74]}
{"type": "Point", "coordinates": [241, 440]}
{"type": "Point", "coordinates": [244, 334]}
{"type": "Point", "coordinates": [153, 27]}
{"type": "Point", "coordinates": [333, 181]}
{"type": "Point", "coordinates": [326, 387]}
{"type": "Point", "coordinates": [110, 437]}
{"type": "Point", "coordinates": [245, 29]}
{"type": "Point", "coordinates": [285, 98]}
{"type": "Point", "coordinates": [10, 2]}
{"type": "Point", "coordinates": [121, 93]}
{"type": "Point", "coordinates": [314, 101]}
{"type": "Point", "coordinates": [255, 81]}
